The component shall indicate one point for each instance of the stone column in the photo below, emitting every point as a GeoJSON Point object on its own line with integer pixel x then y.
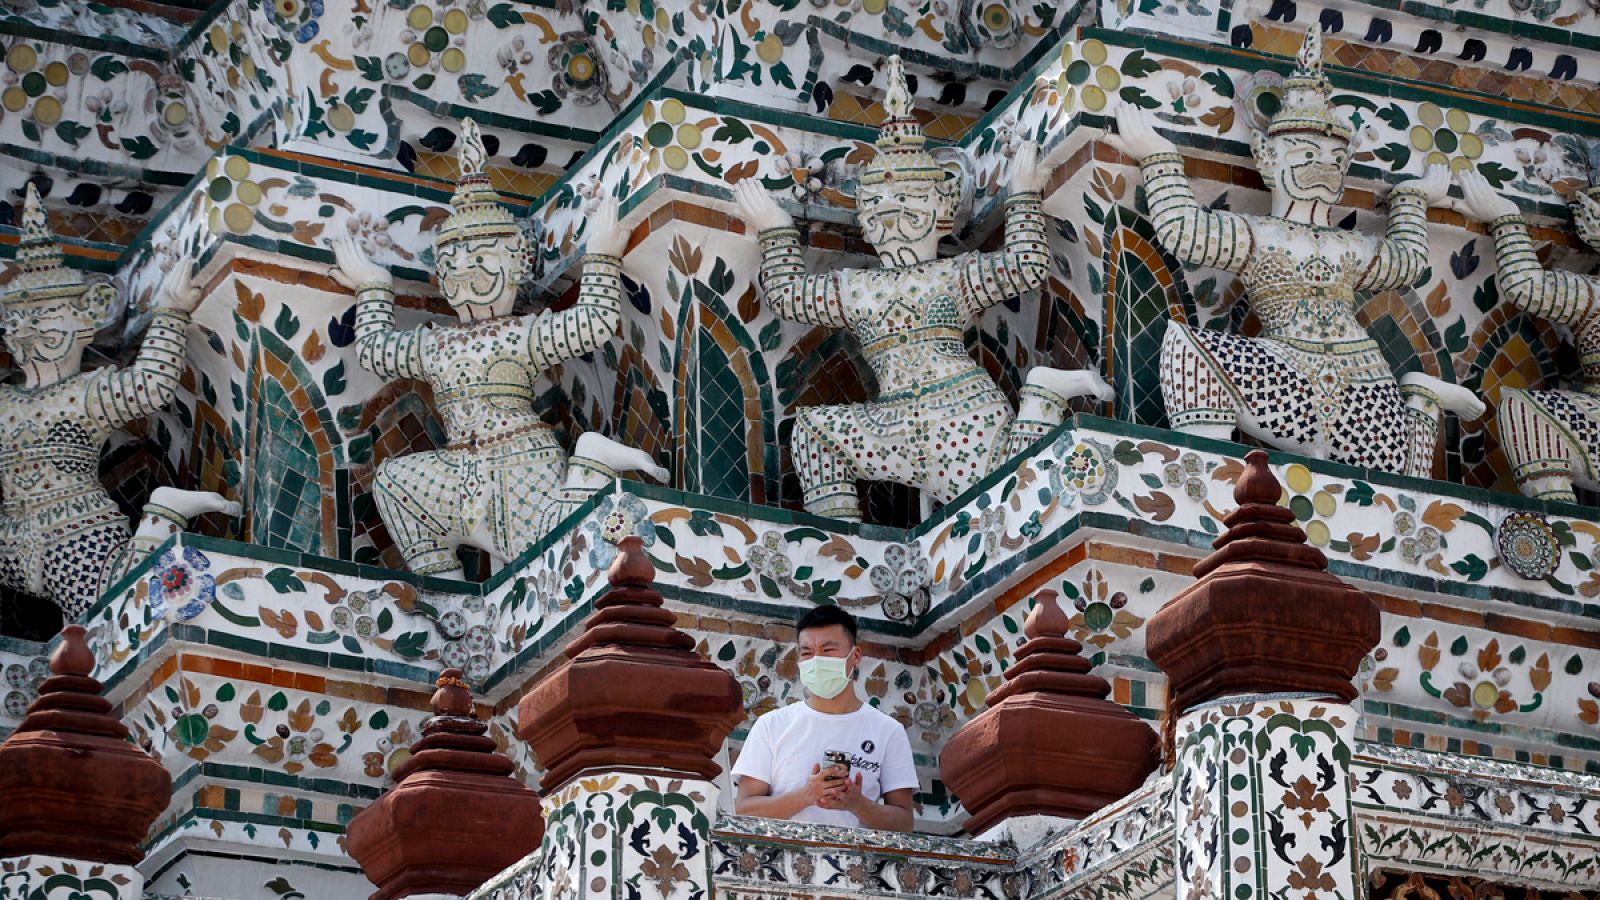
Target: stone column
{"type": "Point", "coordinates": [76, 798]}
{"type": "Point", "coordinates": [627, 732]}
{"type": "Point", "coordinates": [1050, 744]}
{"type": "Point", "coordinates": [455, 816]}
{"type": "Point", "coordinates": [1260, 653]}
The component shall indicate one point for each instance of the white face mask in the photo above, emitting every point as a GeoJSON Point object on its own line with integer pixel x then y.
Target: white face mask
{"type": "Point", "coordinates": [824, 676]}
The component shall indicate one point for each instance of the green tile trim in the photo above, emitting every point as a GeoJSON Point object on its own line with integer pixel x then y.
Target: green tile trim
{"type": "Point", "coordinates": [1545, 737]}
{"type": "Point", "coordinates": [1444, 763]}
{"type": "Point", "coordinates": [1476, 21]}
{"type": "Point", "coordinates": [446, 109]}
{"type": "Point", "coordinates": [256, 775]}
{"type": "Point", "coordinates": [776, 117]}
{"type": "Point", "coordinates": [187, 852]}
{"type": "Point", "coordinates": [97, 167]}
{"type": "Point", "coordinates": [22, 647]}
{"type": "Point", "coordinates": [228, 815]}
{"type": "Point", "coordinates": [99, 43]}
{"type": "Point", "coordinates": [1527, 113]}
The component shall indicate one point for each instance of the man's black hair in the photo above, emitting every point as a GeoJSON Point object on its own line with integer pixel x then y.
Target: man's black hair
{"type": "Point", "coordinates": [823, 616]}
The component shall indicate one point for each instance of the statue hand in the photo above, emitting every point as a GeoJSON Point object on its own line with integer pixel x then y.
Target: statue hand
{"type": "Point", "coordinates": [1479, 201]}
{"type": "Point", "coordinates": [178, 291]}
{"type": "Point", "coordinates": [353, 268]}
{"type": "Point", "coordinates": [757, 208]}
{"type": "Point", "coordinates": [1434, 183]}
{"type": "Point", "coordinates": [1028, 175]}
{"type": "Point", "coordinates": [606, 235]}
{"type": "Point", "coordinates": [1135, 136]}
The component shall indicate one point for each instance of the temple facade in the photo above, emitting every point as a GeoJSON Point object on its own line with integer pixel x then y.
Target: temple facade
{"type": "Point", "coordinates": [424, 421]}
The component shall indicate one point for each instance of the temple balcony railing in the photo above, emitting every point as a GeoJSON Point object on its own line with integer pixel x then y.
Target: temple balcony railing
{"type": "Point", "coordinates": [1415, 812]}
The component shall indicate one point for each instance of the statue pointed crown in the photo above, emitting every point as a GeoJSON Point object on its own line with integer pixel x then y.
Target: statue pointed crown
{"type": "Point", "coordinates": [901, 155]}
{"type": "Point", "coordinates": [43, 278]}
{"type": "Point", "coordinates": [476, 210]}
{"type": "Point", "coordinates": [1307, 108]}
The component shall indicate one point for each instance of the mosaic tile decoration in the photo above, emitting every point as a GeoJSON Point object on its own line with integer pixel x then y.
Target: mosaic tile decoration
{"type": "Point", "coordinates": [243, 135]}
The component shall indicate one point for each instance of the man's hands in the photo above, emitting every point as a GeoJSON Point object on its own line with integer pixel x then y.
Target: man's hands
{"type": "Point", "coordinates": [845, 793]}
{"type": "Point", "coordinates": [825, 786]}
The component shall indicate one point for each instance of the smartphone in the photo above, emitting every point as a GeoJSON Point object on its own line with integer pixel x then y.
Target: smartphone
{"type": "Point", "coordinates": [838, 758]}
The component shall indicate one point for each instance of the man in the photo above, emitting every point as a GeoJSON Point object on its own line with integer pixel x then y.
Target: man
{"type": "Point", "coordinates": [783, 772]}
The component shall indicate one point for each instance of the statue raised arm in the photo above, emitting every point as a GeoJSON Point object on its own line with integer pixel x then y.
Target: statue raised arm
{"type": "Point", "coordinates": [503, 481]}
{"type": "Point", "coordinates": [1552, 438]}
{"type": "Point", "coordinates": [1314, 382]}
{"type": "Point", "coordinates": [940, 423]}
{"type": "Point", "coordinates": [61, 535]}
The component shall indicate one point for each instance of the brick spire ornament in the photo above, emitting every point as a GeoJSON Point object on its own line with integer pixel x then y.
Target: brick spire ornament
{"type": "Point", "coordinates": [455, 816]}
{"type": "Point", "coordinates": [635, 693]}
{"type": "Point", "coordinates": [71, 785]}
{"type": "Point", "coordinates": [1050, 742]}
{"type": "Point", "coordinates": [1265, 616]}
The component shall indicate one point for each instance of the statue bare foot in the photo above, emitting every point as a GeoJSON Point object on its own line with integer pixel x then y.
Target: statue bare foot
{"type": "Point", "coordinates": [618, 457]}
{"type": "Point", "coordinates": [1452, 397]}
{"type": "Point", "coordinates": [1070, 383]}
{"type": "Point", "coordinates": [193, 503]}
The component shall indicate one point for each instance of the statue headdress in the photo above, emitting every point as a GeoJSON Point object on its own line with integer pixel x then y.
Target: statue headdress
{"type": "Point", "coordinates": [901, 154]}
{"type": "Point", "coordinates": [1306, 107]}
{"type": "Point", "coordinates": [43, 278]}
{"type": "Point", "coordinates": [476, 210]}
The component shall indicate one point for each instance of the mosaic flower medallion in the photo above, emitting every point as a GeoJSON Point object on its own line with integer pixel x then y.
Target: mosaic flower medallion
{"type": "Point", "coordinates": [1528, 546]}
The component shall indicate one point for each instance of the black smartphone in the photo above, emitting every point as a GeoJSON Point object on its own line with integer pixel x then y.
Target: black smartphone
{"type": "Point", "coordinates": [838, 758]}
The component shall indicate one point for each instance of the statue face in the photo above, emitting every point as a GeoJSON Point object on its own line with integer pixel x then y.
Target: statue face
{"type": "Point", "coordinates": [1305, 167]}
{"type": "Point", "coordinates": [901, 217]}
{"type": "Point", "coordinates": [51, 335]}
{"type": "Point", "coordinates": [482, 273]}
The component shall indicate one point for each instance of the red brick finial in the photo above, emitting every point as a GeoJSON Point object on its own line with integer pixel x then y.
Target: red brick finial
{"type": "Point", "coordinates": [73, 785]}
{"type": "Point", "coordinates": [452, 698]}
{"type": "Point", "coordinates": [1050, 742]}
{"type": "Point", "coordinates": [1265, 615]}
{"type": "Point", "coordinates": [73, 656]}
{"type": "Point", "coordinates": [1046, 619]}
{"type": "Point", "coordinates": [635, 693]}
{"type": "Point", "coordinates": [1257, 485]}
{"type": "Point", "coordinates": [455, 816]}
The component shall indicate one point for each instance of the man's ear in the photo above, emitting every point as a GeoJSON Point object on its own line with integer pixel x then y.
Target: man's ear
{"type": "Point", "coordinates": [1586, 216]}
{"type": "Point", "coordinates": [1266, 157]}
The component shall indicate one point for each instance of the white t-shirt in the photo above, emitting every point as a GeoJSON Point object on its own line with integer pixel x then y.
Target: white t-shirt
{"type": "Point", "coordinates": [784, 744]}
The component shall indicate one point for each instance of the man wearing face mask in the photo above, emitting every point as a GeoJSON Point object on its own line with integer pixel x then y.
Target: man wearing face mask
{"type": "Point", "coordinates": [793, 765]}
